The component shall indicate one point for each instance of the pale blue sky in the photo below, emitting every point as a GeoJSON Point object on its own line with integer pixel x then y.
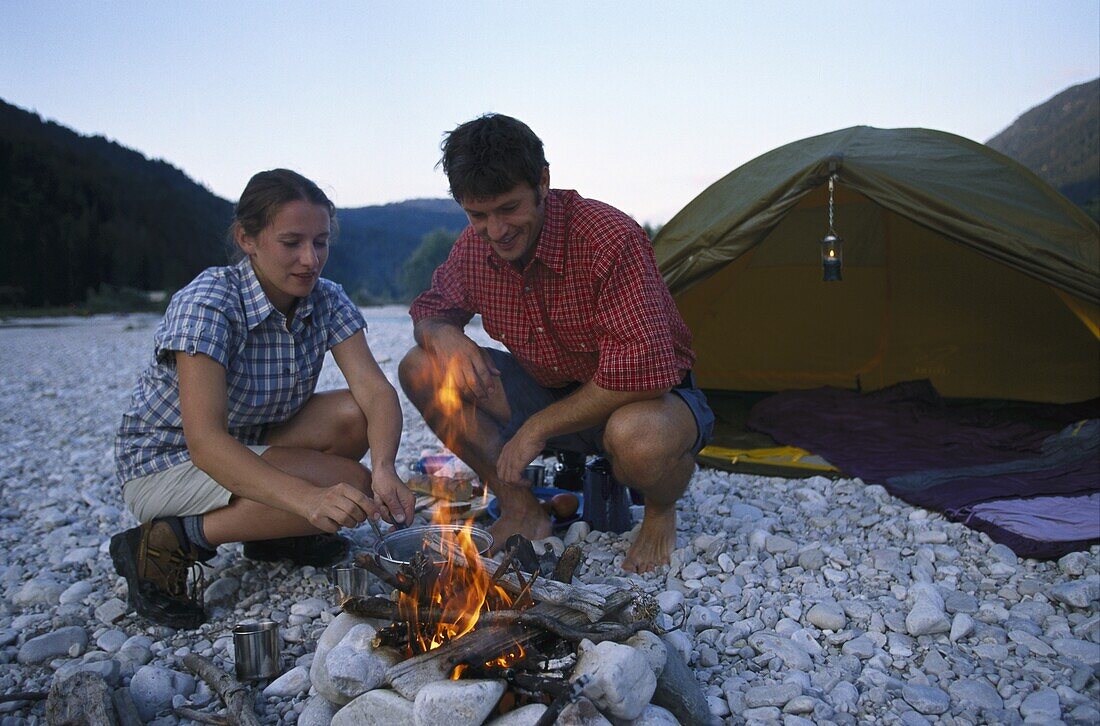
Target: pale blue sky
{"type": "Point", "coordinates": [640, 104]}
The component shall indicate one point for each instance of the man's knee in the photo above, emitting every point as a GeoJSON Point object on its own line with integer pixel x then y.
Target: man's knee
{"type": "Point", "coordinates": [415, 372]}
{"type": "Point", "coordinates": [647, 433]}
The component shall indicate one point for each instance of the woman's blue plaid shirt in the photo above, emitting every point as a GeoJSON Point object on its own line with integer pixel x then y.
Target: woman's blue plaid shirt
{"type": "Point", "coordinates": [271, 371]}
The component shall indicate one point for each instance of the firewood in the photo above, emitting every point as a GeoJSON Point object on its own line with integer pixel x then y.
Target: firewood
{"type": "Point", "coordinates": [233, 693]}
{"type": "Point", "coordinates": [567, 564]}
{"type": "Point", "coordinates": [574, 597]}
{"type": "Point", "coordinates": [483, 644]}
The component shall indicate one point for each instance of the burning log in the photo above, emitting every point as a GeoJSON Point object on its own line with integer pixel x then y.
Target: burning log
{"type": "Point", "coordinates": [592, 604]}
{"type": "Point", "coordinates": [489, 643]}
{"type": "Point", "coordinates": [617, 632]}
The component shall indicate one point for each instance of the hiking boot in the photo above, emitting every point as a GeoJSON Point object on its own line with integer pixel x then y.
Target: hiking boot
{"type": "Point", "coordinates": [155, 559]}
{"type": "Point", "coordinates": [318, 550]}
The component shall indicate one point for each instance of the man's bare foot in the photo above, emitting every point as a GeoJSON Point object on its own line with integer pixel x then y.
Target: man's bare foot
{"type": "Point", "coordinates": [655, 542]}
{"type": "Point", "coordinates": [520, 514]}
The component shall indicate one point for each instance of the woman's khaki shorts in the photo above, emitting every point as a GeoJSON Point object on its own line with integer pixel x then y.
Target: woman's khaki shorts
{"type": "Point", "coordinates": [181, 491]}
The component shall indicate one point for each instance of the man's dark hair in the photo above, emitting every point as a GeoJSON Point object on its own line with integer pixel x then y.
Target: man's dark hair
{"type": "Point", "coordinates": [490, 155]}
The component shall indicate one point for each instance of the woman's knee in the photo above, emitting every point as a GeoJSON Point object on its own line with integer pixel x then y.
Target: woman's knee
{"type": "Point", "coordinates": [349, 427]}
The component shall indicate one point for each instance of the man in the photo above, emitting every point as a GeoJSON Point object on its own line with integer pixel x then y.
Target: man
{"type": "Point", "coordinates": [599, 358]}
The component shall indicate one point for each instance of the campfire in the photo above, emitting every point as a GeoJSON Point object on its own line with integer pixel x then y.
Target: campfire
{"type": "Point", "coordinates": [454, 614]}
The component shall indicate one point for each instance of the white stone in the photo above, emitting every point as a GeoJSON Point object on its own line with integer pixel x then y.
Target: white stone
{"type": "Point", "coordinates": [456, 703]}
{"type": "Point", "coordinates": [926, 619]}
{"type": "Point", "coordinates": [293, 683]}
{"type": "Point", "coordinates": [110, 611]}
{"type": "Point", "coordinates": [621, 679]}
{"type": "Point", "coordinates": [152, 689]}
{"type": "Point", "coordinates": [1042, 706]}
{"type": "Point", "coordinates": [656, 716]}
{"type": "Point", "coordinates": [652, 647]}
{"type": "Point", "coordinates": [329, 639]}
{"type": "Point", "coordinates": [317, 712]}
{"type": "Point", "coordinates": [961, 626]}
{"type": "Point", "coordinates": [310, 608]}
{"type": "Point", "coordinates": [576, 532]}
{"type": "Point", "coordinates": [375, 708]}
{"type": "Point", "coordinates": [527, 715]}
{"type": "Point", "coordinates": [827, 616]}
{"type": "Point", "coordinates": [75, 592]}
{"type": "Point", "coordinates": [670, 601]}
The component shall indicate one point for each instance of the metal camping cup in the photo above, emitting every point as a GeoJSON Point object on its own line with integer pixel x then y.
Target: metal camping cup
{"type": "Point", "coordinates": [256, 650]}
{"type": "Point", "coordinates": [349, 581]}
{"type": "Point", "coordinates": [534, 473]}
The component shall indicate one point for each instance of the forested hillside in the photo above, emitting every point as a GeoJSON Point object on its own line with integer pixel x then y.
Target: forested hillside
{"type": "Point", "coordinates": [1060, 141]}
{"type": "Point", "coordinates": [79, 212]}
{"type": "Point", "coordinates": [81, 216]}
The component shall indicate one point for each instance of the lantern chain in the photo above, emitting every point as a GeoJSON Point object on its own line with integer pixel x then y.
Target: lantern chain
{"type": "Point", "coordinates": [832, 178]}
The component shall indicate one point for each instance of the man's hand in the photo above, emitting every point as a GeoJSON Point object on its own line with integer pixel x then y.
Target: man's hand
{"type": "Point", "coordinates": [394, 499]}
{"type": "Point", "coordinates": [473, 369]}
{"type": "Point", "coordinates": [340, 505]}
{"type": "Point", "coordinates": [520, 451]}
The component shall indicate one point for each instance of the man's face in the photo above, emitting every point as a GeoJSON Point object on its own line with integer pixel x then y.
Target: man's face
{"type": "Point", "coordinates": [511, 222]}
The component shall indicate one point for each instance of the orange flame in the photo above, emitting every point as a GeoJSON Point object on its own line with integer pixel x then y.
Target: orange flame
{"type": "Point", "coordinates": [463, 589]}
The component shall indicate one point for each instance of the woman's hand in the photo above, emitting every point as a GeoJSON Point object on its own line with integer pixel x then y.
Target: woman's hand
{"type": "Point", "coordinates": [393, 498]}
{"type": "Point", "coordinates": [340, 505]}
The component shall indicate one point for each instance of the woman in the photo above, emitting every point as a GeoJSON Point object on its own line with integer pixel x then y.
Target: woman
{"type": "Point", "coordinates": [225, 439]}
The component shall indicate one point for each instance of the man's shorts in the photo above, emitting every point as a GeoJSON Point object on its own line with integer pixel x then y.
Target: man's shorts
{"type": "Point", "coordinates": [180, 491]}
{"type": "Point", "coordinates": [526, 398]}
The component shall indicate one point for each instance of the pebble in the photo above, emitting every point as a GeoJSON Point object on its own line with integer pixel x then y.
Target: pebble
{"type": "Point", "coordinates": [63, 642]}
{"type": "Point", "coordinates": [926, 699]}
{"type": "Point", "coordinates": [973, 693]}
{"type": "Point", "coordinates": [756, 558]}
{"type": "Point", "coordinates": [772, 695]}
{"type": "Point", "coordinates": [1042, 705]}
{"type": "Point", "coordinates": [827, 616]}
{"type": "Point", "coordinates": [1073, 564]}
{"type": "Point", "coordinates": [926, 618]}
{"type": "Point", "coordinates": [153, 688]}
{"type": "Point", "coordinates": [294, 682]}
{"type": "Point", "coordinates": [1077, 594]}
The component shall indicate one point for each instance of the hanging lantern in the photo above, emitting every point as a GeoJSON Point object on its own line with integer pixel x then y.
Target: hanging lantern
{"type": "Point", "coordinates": [832, 253]}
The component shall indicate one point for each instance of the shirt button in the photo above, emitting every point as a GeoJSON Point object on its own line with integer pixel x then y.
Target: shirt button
{"type": "Point", "coordinates": [554, 367]}
{"type": "Point", "coordinates": [527, 288]}
{"type": "Point", "coordinates": [539, 329]}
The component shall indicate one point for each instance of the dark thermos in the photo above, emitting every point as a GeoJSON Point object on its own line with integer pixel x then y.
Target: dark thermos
{"type": "Point", "coordinates": [606, 502]}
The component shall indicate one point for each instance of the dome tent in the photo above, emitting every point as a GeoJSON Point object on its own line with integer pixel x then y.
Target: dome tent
{"type": "Point", "coordinates": [960, 267]}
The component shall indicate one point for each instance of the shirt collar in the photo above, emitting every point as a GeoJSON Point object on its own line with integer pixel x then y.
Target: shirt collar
{"type": "Point", "coordinates": [257, 306]}
{"type": "Point", "coordinates": [550, 248]}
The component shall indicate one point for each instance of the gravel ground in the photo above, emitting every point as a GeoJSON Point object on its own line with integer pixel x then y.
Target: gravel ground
{"type": "Point", "coordinates": [807, 600]}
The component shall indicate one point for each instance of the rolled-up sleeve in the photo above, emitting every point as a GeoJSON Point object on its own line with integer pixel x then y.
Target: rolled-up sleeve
{"type": "Point", "coordinates": [637, 352]}
{"type": "Point", "coordinates": [194, 325]}
{"type": "Point", "coordinates": [346, 319]}
{"type": "Point", "coordinates": [448, 297]}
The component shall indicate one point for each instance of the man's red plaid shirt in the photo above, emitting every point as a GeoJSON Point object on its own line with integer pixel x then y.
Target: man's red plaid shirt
{"type": "Point", "coordinates": [590, 306]}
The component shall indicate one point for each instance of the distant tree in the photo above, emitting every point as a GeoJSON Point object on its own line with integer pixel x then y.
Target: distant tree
{"type": "Point", "coordinates": [416, 276]}
{"type": "Point", "coordinates": [651, 230]}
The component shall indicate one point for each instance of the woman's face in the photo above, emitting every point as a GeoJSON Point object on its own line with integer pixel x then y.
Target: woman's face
{"type": "Point", "coordinates": [290, 252]}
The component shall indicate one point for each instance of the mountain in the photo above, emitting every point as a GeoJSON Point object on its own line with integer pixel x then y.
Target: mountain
{"type": "Point", "coordinates": [374, 243]}
{"type": "Point", "coordinates": [81, 214]}
{"type": "Point", "coordinates": [77, 212]}
{"type": "Point", "coordinates": [1060, 141]}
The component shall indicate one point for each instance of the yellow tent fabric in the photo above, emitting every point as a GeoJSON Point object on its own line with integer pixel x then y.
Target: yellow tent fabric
{"type": "Point", "coordinates": [960, 266]}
